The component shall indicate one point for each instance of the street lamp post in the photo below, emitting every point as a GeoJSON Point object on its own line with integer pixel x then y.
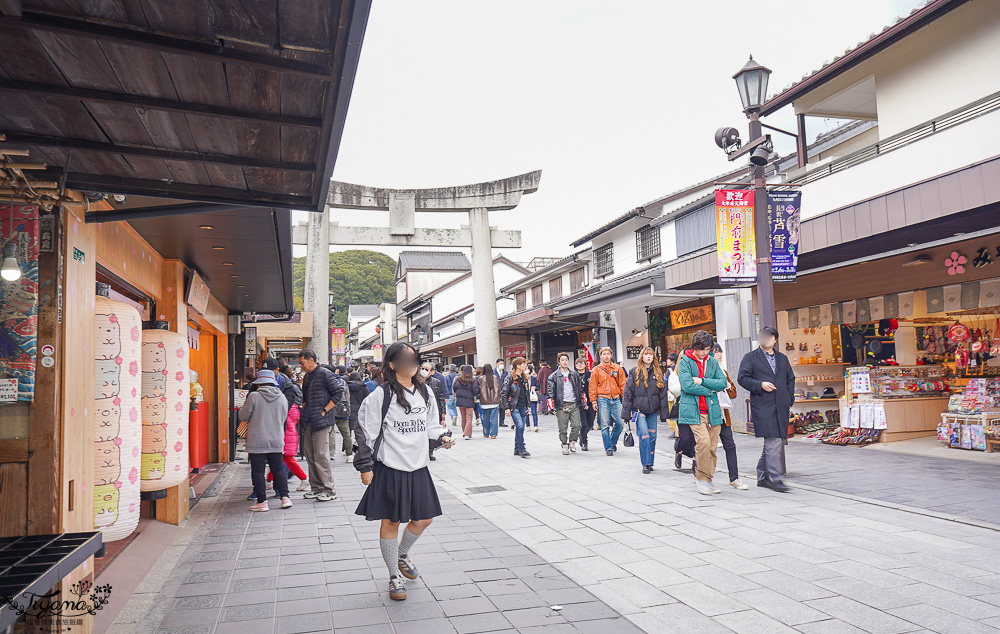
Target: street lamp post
{"type": "Point", "coordinates": [751, 81]}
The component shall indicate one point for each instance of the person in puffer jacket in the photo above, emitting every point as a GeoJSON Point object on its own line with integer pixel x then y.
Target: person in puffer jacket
{"type": "Point", "coordinates": [397, 426]}
{"type": "Point", "coordinates": [266, 410]}
{"type": "Point", "coordinates": [646, 392]}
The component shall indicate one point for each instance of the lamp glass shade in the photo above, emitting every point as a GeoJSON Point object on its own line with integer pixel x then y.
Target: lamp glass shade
{"type": "Point", "coordinates": [751, 82]}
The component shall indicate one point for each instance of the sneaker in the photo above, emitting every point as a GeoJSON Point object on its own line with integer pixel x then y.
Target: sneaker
{"type": "Point", "coordinates": [251, 497]}
{"type": "Point", "coordinates": [647, 470]}
{"type": "Point", "coordinates": [432, 457]}
{"type": "Point", "coordinates": [407, 568]}
{"type": "Point", "coordinates": [609, 452]}
{"type": "Point", "coordinates": [572, 446]}
{"type": "Point", "coordinates": [738, 484]}
{"type": "Point", "coordinates": [565, 450]}
{"type": "Point", "coordinates": [678, 460]}
{"type": "Point", "coordinates": [397, 588]}
{"type": "Point", "coordinates": [715, 489]}
{"type": "Point", "coordinates": [303, 486]}
{"type": "Point", "coordinates": [286, 503]}
{"type": "Point", "coordinates": [311, 495]}
{"type": "Point", "coordinates": [326, 497]}
{"type": "Point", "coordinates": [467, 437]}
{"type": "Point", "coordinates": [350, 459]}
{"type": "Point", "coordinates": [703, 487]}
{"type": "Point", "coordinates": [536, 429]}
{"type": "Point", "coordinates": [493, 437]}
{"type": "Point", "coordinates": [615, 448]}
{"type": "Point", "coordinates": [260, 507]}
{"type": "Point", "coordinates": [583, 447]}
{"type": "Point", "coordinates": [270, 484]}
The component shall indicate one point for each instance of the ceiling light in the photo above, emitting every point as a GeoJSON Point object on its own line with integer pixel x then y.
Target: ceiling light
{"type": "Point", "coordinates": [11, 271]}
{"type": "Point", "coordinates": [242, 286]}
{"type": "Point", "coordinates": [206, 227]}
{"type": "Point", "coordinates": [234, 276]}
{"type": "Point", "coordinates": [918, 260]}
{"type": "Point", "coordinates": [911, 245]}
{"type": "Point", "coordinates": [227, 264]}
{"type": "Point", "coordinates": [218, 248]}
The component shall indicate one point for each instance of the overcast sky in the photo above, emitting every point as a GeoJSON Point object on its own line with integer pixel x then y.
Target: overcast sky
{"type": "Point", "coordinates": [616, 102]}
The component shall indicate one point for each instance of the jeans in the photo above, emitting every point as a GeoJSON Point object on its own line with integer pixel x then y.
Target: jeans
{"type": "Point", "coordinates": [534, 412]}
{"type": "Point", "coordinates": [519, 416]}
{"type": "Point", "coordinates": [610, 418]}
{"type": "Point", "coordinates": [490, 417]}
{"type": "Point", "coordinates": [452, 407]}
{"type": "Point", "coordinates": [729, 444]}
{"type": "Point", "coordinates": [586, 423]}
{"type": "Point", "coordinates": [479, 412]}
{"type": "Point", "coordinates": [645, 427]}
{"type": "Point", "coordinates": [257, 463]}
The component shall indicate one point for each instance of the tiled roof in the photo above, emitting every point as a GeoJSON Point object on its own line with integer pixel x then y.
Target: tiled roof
{"type": "Point", "coordinates": [434, 261]}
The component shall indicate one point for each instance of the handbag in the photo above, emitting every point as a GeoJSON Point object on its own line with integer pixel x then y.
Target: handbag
{"type": "Point", "coordinates": [629, 440]}
{"type": "Point", "coordinates": [534, 395]}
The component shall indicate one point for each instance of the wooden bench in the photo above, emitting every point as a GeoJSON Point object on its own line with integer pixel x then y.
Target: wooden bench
{"type": "Point", "coordinates": [990, 442]}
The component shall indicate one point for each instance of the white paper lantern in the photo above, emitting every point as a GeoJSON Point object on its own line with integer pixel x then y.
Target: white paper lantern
{"type": "Point", "coordinates": [166, 405]}
{"type": "Point", "coordinates": [117, 417]}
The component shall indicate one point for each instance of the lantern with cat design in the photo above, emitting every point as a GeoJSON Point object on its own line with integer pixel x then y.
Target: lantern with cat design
{"type": "Point", "coordinates": [117, 417]}
{"type": "Point", "coordinates": [165, 406]}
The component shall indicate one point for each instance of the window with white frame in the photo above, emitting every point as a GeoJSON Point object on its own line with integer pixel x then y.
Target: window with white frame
{"type": "Point", "coordinates": [604, 260]}
{"type": "Point", "coordinates": [647, 243]}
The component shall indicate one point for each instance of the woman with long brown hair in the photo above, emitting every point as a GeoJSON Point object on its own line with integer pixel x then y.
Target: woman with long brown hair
{"type": "Point", "coordinates": [489, 400]}
{"type": "Point", "coordinates": [646, 393]}
{"type": "Point", "coordinates": [466, 389]}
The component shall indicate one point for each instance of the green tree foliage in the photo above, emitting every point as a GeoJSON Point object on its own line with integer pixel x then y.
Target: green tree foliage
{"type": "Point", "coordinates": [356, 277]}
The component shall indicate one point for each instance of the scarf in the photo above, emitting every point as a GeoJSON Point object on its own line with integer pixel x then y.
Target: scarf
{"type": "Point", "coordinates": [702, 365]}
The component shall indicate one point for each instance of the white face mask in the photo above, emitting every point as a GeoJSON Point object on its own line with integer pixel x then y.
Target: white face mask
{"type": "Point", "coordinates": [425, 373]}
{"type": "Point", "coordinates": [500, 367]}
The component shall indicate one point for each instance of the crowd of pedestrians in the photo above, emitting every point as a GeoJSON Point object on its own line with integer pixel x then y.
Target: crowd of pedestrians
{"type": "Point", "coordinates": [392, 418]}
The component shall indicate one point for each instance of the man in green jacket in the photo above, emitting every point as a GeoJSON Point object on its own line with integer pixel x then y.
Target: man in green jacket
{"type": "Point", "coordinates": [701, 380]}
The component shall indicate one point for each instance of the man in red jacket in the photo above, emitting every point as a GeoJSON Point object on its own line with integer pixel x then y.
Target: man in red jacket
{"type": "Point", "coordinates": [543, 380]}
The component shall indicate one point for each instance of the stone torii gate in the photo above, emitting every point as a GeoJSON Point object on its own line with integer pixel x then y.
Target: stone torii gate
{"type": "Point", "coordinates": [403, 204]}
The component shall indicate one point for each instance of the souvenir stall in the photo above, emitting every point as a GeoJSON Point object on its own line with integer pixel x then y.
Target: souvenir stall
{"type": "Point", "coordinates": [672, 328]}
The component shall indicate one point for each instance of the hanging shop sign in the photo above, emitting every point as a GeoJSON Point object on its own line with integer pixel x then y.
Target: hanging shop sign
{"type": "Point", "coordinates": [338, 340]}
{"type": "Point", "coordinates": [517, 351]}
{"type": "Point", "coordinates": [690, 317]}
{"type": "Point", "coordinates": [734, 228]}
{"type": "Point", "coordinates": [783, 209]}
{"type": "Point", "coordinates": [633, 352]}
{"type": "Point", "coordinates": [377, 353]}
{"type": "Point", "coordinates": [197, 294]}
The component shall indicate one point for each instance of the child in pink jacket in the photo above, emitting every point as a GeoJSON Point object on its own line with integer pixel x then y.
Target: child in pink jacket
{"type": "Point", "coordinates": [293, 393]}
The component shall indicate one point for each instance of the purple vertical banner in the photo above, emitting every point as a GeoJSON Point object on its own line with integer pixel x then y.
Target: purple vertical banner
{"type": "Point", "coordinates": [783, 220]}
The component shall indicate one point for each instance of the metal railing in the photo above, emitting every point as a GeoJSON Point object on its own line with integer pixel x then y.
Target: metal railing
{"type": "Point", "coordinates": [976, 109]}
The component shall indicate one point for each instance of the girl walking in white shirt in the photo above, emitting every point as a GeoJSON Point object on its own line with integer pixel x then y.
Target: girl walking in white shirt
{"type": "Point", "coordinates": [395, 424]}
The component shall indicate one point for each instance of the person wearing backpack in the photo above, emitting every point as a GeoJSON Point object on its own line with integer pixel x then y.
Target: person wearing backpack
{"type": "Point", "coordinates": [321, 392]}
{"type": "Point", "coordinates": [489, 401]}
{"type": "Point", "coordinates": [342, 417]}
{"type": "Point", "coordinates": [397, 425]}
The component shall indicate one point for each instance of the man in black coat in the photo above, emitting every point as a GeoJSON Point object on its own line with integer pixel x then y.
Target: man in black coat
{"type": "Point", "coordinates": [564, 393]}
{"type": "Point", "coordinates": [767, 375]}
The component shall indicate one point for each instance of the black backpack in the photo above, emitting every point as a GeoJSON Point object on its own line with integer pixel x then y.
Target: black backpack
{"type": "Point", "coordinates": [342, 409]}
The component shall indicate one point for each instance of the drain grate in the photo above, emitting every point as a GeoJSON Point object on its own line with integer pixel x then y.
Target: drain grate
{"type": "Point", "coordinates": [493, 488]}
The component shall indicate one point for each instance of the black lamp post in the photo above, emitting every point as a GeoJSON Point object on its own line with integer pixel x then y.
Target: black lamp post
{"type": "Point", "coordinates": [751, 82]}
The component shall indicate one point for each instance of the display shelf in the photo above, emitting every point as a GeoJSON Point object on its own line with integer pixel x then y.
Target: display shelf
{"type": "Point", "coordinates": [813, 365]}
{"type": "Point", "coordinates": [817, 400]}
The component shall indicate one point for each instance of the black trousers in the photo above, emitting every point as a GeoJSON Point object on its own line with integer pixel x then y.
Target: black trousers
{"type": "Point", "coordinates": [274, 460]}
{"type": "Point", "coordinates": [587, 423]}
{"type": "Point", "coordinates": [729, 445]}
{"type": "Point", "coordinates": [684, 443]}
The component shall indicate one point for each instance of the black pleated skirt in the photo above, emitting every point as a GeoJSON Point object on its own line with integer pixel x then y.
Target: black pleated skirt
{"type": "Point", "coordinates": [400, 496]}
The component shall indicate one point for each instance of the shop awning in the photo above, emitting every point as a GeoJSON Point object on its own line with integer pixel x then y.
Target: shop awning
{"type": "Point", "coordinates": [221, 101]}
{"type": "Point", "coordinates": [256, 247]}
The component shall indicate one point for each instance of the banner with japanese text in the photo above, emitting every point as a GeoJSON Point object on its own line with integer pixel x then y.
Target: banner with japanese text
{"type": "Point", "coordinates": [734, 228]}
{"type": "Point", "coordinates": [783, 219]}
{"type": "Point", "coordinates": [19, 304]}
{"type": "Point", "coordinates": [338, 340]}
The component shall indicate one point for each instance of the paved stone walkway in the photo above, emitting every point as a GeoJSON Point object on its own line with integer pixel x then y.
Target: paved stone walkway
{"type": "Point", "coordinates": [317, 567]}
{"type": "Point", "coordinates": [588, 533]}
{"type": "Point", "coordinates": [940, 484]}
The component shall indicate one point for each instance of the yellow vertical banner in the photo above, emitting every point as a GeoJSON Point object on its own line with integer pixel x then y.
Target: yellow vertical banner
{"type": "Point", "coordinates": [735, 234]}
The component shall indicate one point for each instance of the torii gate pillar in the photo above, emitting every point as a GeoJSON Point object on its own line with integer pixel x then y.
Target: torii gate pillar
{"type": "Point", "coordinates": [475, 200]}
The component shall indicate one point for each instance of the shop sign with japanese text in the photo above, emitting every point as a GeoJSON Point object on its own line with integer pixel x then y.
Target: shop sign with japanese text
{"type": "Point", "coordinates": [734, 228]}
{"type": "Point", "coordinates": [690, 317]}
{"type": "Point", "coordinates": [338, 340]}
{"type": "Point", "coordinates": [783, 209]}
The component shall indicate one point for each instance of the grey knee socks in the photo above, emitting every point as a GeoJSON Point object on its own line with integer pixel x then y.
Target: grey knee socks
{"type": "Point", "coordinates": [390, 553]}
{"type": "Point", "coordinates": [406, 542]}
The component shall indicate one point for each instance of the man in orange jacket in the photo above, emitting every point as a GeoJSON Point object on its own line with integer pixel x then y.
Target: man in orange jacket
{"type": "Point", "coordinates": [607, 384]}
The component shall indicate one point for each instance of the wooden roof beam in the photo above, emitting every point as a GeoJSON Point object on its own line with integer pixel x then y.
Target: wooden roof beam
{"type": "Point", "coordinates": [154, 103]}
{"type": "Point", "coordinates": [214, 51]}
{"type": "Point", "coordinates": [154, 152]}
{"type": "Point", "coordinates": [184, 191]}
